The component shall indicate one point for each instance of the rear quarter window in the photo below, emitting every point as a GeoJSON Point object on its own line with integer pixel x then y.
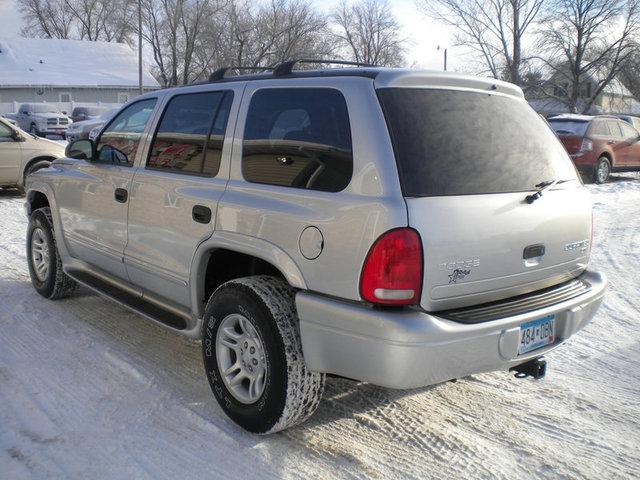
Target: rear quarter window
{"type": "Point", "coordinates": [299, 138]}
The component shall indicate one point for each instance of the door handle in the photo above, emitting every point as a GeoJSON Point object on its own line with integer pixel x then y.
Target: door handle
{"type": "Point", "coordinates": [201, 214]}
{"type": "Point", "coordinates": [121, 195]}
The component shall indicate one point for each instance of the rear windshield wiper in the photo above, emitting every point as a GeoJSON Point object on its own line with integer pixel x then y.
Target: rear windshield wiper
{"type": "Point", "coordinates": [543, 187]}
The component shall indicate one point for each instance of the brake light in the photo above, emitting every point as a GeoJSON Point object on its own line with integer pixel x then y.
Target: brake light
{"type": "Point", "coordinates": [587, 145]}
{"type": "Point", "coordinates": [392, 271]}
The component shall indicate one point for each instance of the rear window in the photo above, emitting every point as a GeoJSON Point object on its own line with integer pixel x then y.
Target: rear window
{"type": "Point", "coordinates": [569, 127]}
{"type": "Point", "coordinates": [462, 143]}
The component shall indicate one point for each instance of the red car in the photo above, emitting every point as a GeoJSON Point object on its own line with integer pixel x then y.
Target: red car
{"type": "Point", "coordinates": [598, 145]}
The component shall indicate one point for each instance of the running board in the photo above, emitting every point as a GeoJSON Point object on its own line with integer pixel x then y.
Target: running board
{"type": "Point", "coordinates": [127, 299]}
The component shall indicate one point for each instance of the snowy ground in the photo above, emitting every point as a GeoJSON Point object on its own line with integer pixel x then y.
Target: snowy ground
{"type": "Point", "coordinates": [89, 390]}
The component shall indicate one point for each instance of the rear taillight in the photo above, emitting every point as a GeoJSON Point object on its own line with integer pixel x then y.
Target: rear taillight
{"type": "Point", "coordinates": [587, 145]}
{"type": "Point", "coordinates": [392, 272]}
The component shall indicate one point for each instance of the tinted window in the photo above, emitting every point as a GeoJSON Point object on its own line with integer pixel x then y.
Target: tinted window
{"type": "Point", "coordinates": [457, 143]}
{"type": "Point", "coordinates": [119, 141]}
{"type": "Point", "coordinates": [628, 131]}
{"type": "Point", "coordinates": [569, 127]}
{"type": "Point", "coordinates": [190, 124]}
{"type": "Point", "coordinates": [600, 128]}
{"type": "Point", "coordinates": [614, 128]}
{"type": "Point", "coordinates": [298, 138]}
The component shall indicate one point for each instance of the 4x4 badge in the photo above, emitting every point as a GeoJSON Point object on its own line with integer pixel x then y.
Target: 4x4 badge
{"type": "Point", "coordinates": [458, 274]}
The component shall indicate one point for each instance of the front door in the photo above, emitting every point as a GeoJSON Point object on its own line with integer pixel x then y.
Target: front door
{"type": "Point", "coordinates": [632, 140]}
{"type": "Point", "coordinates": [176, 190]}
{"type": "Point", "coordinates": [10, 156]}
{"type": "Point", "coordinates": [94, 198]}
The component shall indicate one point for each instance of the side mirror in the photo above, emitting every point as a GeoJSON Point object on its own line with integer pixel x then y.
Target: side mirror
{"type": "Point", "coordinates": [17, 136]}
{"type": "Point", "coordinates": [81, 150]}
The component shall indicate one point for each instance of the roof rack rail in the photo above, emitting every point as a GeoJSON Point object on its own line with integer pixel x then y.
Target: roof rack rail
{"type": "Point", "coordinates": [220, 73]}
{"type": "Point", "coordinates": [286, 67]}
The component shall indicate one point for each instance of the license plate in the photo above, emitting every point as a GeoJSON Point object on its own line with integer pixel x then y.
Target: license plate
{"type": "Point", "coordinates": [537, 334]}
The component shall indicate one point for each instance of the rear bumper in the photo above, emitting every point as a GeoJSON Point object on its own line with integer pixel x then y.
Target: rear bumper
{"type": "Point", "coordinates": [412, 348]}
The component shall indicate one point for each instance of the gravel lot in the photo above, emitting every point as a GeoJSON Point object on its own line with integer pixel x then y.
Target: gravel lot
{"type": "Point", "coordinates": [90, 390]}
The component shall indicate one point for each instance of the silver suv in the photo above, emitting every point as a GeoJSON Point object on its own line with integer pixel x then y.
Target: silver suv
{"type": "Point", "coordinates": [397, 227]}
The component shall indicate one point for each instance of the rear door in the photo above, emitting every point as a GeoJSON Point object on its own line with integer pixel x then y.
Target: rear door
{"type": "Point", "coordinates": [616, 143]}
{"type": "Point", "coordinates": [176, 191]}
{"type": "Point", "coordinates": [467, 160]}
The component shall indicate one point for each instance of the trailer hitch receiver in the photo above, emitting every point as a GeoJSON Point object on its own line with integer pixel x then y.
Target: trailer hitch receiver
{"type": "Point", "coordinates": [535, 368]}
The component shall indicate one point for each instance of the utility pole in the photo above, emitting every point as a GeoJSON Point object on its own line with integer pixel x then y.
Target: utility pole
{"type": "Point", "coordinates": [140, 46]}
{"type": "Point", "coordinates": [445, 56]}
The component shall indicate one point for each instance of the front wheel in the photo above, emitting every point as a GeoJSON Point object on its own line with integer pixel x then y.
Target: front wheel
{"type": "Point", "coordinates": [45, 266]}
{"type": "Point", "coordinates": [253, 355]}
{"type": "Point", "coordinates": [602, 170]}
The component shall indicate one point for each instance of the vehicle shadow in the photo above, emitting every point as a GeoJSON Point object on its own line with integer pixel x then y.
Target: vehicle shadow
{"type": "Point", "coordinates": [623, 177]}
{"type": "Point", "coordinates": [10, 193]}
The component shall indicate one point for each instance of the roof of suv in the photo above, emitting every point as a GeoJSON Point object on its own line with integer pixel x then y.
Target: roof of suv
{"type": "Point", "coordinates": [386, 77]}
{"type": "Point", "coordinates": [581, 118]}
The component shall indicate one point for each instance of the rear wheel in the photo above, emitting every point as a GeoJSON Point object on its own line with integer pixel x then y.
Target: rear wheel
{"type": "Point", "coordinates": [253, 355]}
{"type": "Point", "coordinates": [45, 266]}
{"type": "Point", "coordinates": [602, 170]}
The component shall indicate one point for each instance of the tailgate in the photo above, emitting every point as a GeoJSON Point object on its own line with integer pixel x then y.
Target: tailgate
{"type": "Point", "coordinates": [571, 143]}
{"type": "Point", "coordinates": [474, 245]}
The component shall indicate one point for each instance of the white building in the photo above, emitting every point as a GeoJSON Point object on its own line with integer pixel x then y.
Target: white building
{"type": "Point", "coordinates": [68, 72]}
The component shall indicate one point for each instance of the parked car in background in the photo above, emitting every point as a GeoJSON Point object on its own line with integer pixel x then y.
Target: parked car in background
{"type": "Point", "coordinates": [80, 114]}
{"type": "Point", "coordinates": [631, 120]}
{"type": "Point", "coordinates": [598, 145]}
{"type": "Point", "coordinates": [81, 130]}
{"type": "Point", "coordinates": [22, 154]}
{"type": "Point", "coordinates": [42, 119]}
{"type": "Point", "coordinates": [305, 223]}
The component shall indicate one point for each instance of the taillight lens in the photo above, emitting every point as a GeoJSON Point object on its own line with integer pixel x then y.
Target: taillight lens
{"type": "Point", "coordinates": [587, 145]}
{"type": "Point", "coordinates": [392, 272]}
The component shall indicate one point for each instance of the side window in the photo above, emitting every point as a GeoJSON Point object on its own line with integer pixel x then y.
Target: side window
{"type": "Point", "coordinates": [5, 133]}
{"type": "Point", "coordinates": [628, 131]}
{"type": "Point", "coordinates": [190, 135]}
{"type": "Point", "coordinates": [614, 128]}
{"type": "Point", "coordinates": [600, 128]}
{"type": "Point", "coordinates": [298, 137]}
{"type": "Point", "coordinates": [120, 140]}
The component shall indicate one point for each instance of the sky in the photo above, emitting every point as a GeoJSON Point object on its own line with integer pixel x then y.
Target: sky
{"type": "Point", "coordinates": [422, 34]}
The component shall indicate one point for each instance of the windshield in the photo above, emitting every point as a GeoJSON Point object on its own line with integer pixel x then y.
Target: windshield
{"type": "Point", "coordinates": [450, 142]}
{"type": "Point", "coordinates": [109, 114]}
{"type": "Point", "coordinates": [44, 109]}
{"type": "Point", "coordinates": [95, 111]}
{"type": "Point", "coordinates": [569, 127]}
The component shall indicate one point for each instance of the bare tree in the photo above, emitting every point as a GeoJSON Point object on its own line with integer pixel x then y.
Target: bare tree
{"type": "Point", "coordinates": [104, 20]}
{"type": "Point", "coordinates": [45, 18]}
{"type": "Point", "coordinates": [369, 32]}
{"type": "Point", "coordinates": [260, 35]}
{"type": "Point", "coordinates": [494, 29]}
{"type": "Point", "coordinates": [587, 41]}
